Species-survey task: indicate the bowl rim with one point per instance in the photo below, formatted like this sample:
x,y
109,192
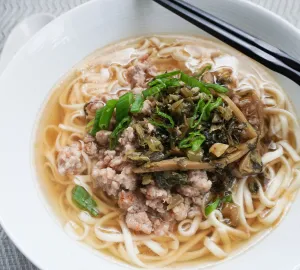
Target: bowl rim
x,y
72,12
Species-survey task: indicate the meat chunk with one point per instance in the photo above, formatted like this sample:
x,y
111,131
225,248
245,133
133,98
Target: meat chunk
x,y
156,198
198,184
139,222
197,200
181,211
153,192
131,202
90,146
136,75
127,139
160,227
188,191
157,205
147,107
127,136
102,137
110,158
91,149
70,160
199,180
104,178
127,178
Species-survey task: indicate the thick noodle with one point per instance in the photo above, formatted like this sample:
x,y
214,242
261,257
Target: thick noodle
x,y
103,75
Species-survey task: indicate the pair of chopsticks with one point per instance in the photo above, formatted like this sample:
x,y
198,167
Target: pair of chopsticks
x,y
251,46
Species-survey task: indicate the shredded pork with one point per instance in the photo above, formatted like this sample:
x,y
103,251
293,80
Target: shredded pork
x,y
70,160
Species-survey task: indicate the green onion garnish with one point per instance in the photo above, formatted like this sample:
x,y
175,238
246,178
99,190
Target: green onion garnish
x,y
84,200
162,121
203,70
193,82
194,141
137,105
123,106
106,115
218,88
153,90
96,128
212,206
168,74
113,139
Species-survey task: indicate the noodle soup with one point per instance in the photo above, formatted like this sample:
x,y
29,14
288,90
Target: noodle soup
x,y
168,150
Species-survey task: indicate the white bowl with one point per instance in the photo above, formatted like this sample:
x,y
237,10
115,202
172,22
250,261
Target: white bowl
x,y
24,87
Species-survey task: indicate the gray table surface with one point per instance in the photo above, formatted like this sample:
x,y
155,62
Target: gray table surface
x,y
13,11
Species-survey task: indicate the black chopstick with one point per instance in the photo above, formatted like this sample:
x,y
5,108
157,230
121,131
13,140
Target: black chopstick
x,y
234,39
285,58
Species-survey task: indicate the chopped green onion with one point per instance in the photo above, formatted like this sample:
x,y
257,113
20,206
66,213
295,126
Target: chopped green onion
x,y
205,112
106,115
165,82
113,139
194,141
84,200
203,70
156,81
218,88
212,207
197,143
137,105
193,82
168,74
123,106
153,90
96,128
198,109
161,123
209,107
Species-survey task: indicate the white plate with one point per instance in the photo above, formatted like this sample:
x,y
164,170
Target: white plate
x,y
27,80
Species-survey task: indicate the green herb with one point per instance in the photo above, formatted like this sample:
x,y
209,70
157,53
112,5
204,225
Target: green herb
x,y
205,111
163,118
167,180
106,115
198,109
96,128
153,90
203,70
113,139
218,88
137,105
168,74
123,106
196,144
212,206
193,82
84,200
165,83
194,141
